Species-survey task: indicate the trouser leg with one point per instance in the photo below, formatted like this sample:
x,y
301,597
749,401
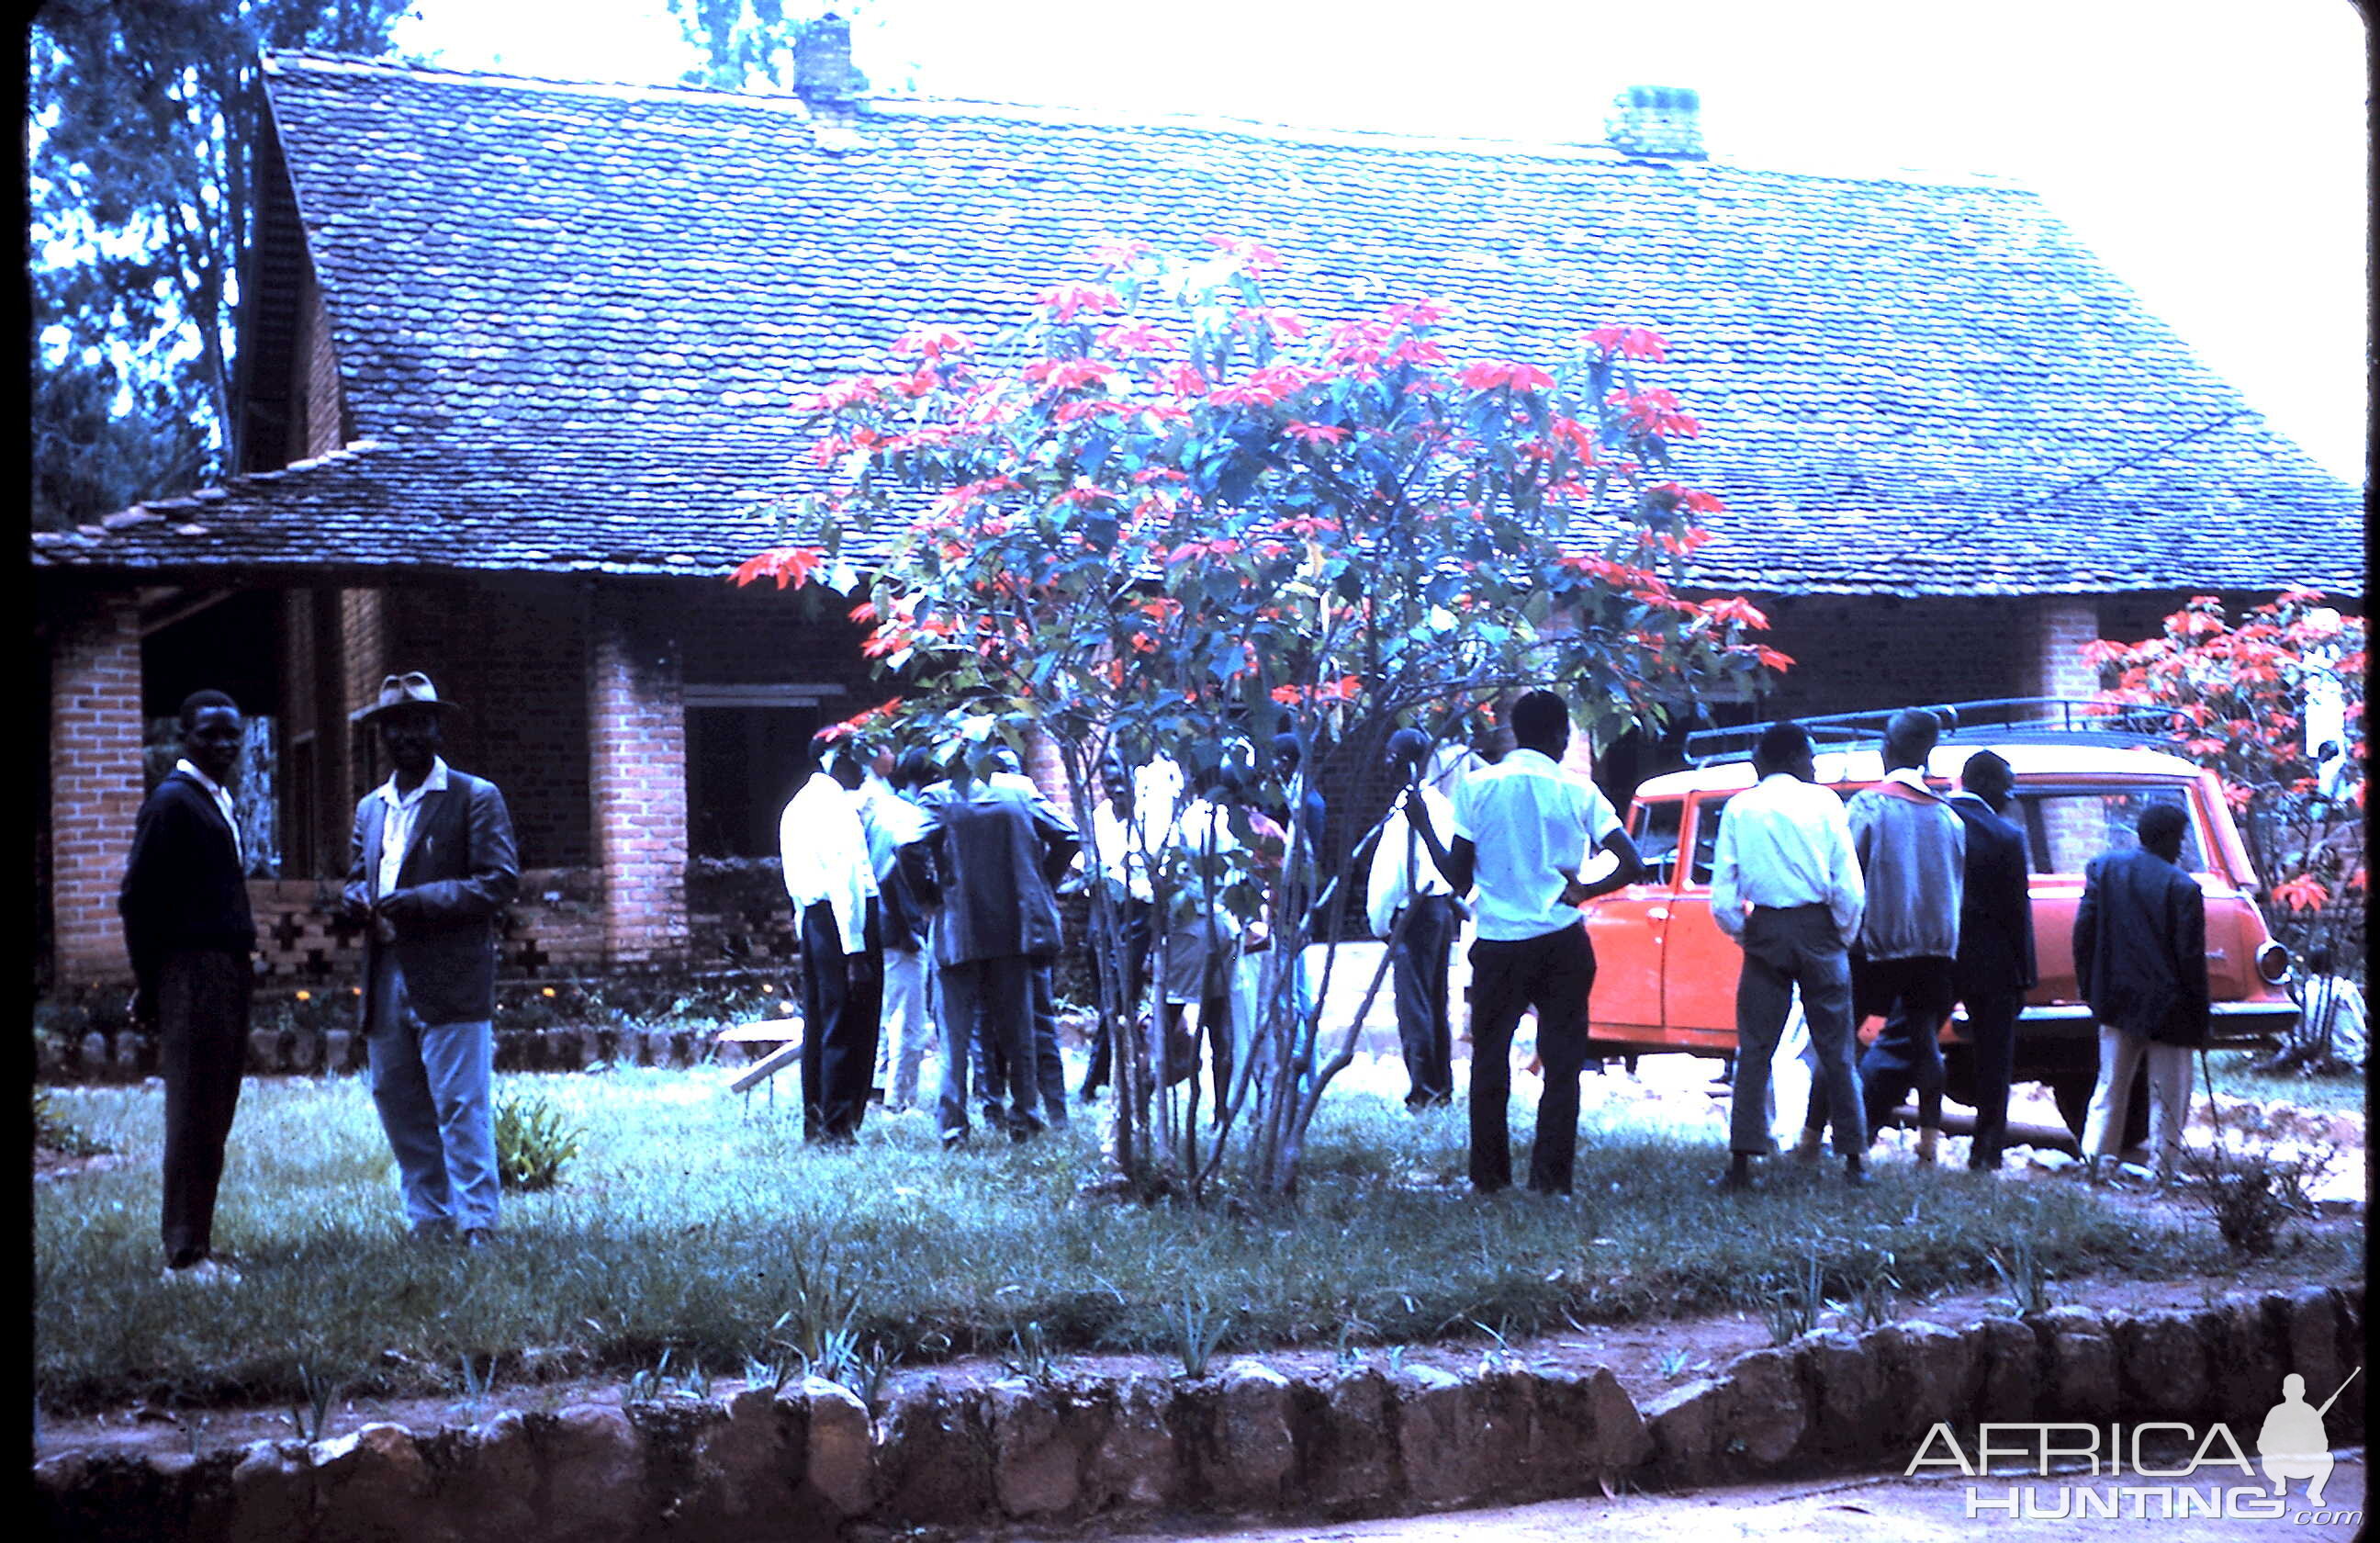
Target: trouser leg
x,y
842,1007
1822,974
1007,1014
456,1061
906,1025
1764,999
202,1017
1215,1024
1565,982
1991,1024
2120,1056
1499,994
958,1005
2169,1100
401,1093
1048,1064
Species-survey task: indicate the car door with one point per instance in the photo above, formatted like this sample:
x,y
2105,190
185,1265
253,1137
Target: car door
x,y
1630,927
1699,964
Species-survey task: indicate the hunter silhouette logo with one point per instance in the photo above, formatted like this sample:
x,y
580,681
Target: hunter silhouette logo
x,y
2293,1443
2218,1480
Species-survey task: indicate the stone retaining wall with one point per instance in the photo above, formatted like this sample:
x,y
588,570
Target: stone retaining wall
x,y
806,1461
127,1055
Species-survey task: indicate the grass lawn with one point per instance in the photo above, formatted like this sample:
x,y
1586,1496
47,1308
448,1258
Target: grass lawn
x,y
692,1222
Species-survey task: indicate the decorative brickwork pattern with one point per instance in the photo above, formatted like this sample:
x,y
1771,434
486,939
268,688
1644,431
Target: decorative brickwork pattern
x,y
94,785
637,778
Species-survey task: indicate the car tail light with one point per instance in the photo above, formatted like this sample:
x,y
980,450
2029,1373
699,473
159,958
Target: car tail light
x,y
2273,962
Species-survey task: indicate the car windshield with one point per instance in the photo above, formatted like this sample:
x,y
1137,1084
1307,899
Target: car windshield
x,y
2066,827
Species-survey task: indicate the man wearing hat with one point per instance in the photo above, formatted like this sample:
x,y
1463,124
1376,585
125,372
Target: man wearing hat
x,y
433,863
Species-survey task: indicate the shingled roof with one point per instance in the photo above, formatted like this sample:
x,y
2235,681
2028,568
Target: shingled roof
x,y
570,319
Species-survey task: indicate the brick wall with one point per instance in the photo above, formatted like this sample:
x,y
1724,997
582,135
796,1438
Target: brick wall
x,y
1856,652
94,785
636,721
2062,626
363,664
555,928
320,423
512,653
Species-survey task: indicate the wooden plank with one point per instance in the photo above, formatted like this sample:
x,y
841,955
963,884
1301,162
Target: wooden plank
x,y
767,1066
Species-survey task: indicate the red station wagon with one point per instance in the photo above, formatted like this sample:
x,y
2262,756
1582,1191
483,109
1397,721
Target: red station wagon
x,y
1665,976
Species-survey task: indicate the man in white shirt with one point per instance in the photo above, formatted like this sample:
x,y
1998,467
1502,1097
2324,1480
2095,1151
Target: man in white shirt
x,y
1406,882
831,880
1522,830
1116,860
1786,888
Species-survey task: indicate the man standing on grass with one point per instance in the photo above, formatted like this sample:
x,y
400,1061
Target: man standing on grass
x,y
831,883
1522,830
188,928
1994,961
2140,957
433,864
1912,855
987,868
1406,882
1786,888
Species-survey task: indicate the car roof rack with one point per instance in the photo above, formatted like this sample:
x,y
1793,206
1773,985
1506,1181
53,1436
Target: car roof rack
x,y
2064,720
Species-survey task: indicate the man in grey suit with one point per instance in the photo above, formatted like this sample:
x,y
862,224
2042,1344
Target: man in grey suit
x,y
433,863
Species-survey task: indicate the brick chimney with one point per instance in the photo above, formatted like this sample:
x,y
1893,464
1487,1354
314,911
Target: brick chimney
x,y
822,72
1659,121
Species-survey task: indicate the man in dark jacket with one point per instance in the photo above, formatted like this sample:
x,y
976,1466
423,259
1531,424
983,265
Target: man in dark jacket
x,y
989,866
2140,955
1995,965
188,928
433,864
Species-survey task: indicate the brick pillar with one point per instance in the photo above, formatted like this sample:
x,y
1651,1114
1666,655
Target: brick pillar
x,y
1047,769
95,786
636,722
2062,624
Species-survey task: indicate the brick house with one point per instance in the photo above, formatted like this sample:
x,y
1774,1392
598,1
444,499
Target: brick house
x,y
517,357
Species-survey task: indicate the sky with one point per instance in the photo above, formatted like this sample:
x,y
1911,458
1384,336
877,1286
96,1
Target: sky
x,y
2211,151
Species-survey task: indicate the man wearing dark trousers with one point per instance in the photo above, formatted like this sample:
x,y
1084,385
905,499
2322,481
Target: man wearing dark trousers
x,y
432,865
1522,830
188,928
1995,962
831,881
1786,888
1404,882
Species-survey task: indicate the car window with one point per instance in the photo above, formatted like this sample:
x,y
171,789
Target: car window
x,y
2064,828
1655,835
1707,836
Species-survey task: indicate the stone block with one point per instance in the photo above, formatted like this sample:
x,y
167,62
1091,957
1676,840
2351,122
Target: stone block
x,y
94,1053
374,1487
305,1053
1930,1375
594,1466
1768,1415
130,1054
842,1460
2161,1367
2313,1341
338,1051
1684,1424
938,1459
272,1494
747,1471
2247,1354
1254,1454
1138,1460
488,1487
1035,1470
263,1051
2009,1375
1437,1436
1846,1394
2080,1365
1587,1430
1347,1440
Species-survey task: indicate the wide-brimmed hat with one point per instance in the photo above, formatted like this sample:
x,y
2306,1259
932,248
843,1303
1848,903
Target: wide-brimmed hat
x,y
411,689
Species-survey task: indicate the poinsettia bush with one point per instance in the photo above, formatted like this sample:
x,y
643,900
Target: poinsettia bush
x,y
1163,518
2236,700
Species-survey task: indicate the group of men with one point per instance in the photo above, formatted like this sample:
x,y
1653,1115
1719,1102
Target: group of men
x,y
1903,902
432,862
919,898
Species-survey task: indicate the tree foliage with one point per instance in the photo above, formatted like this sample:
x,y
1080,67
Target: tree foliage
x,y
750,44
140,148
1164,515
2237,700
